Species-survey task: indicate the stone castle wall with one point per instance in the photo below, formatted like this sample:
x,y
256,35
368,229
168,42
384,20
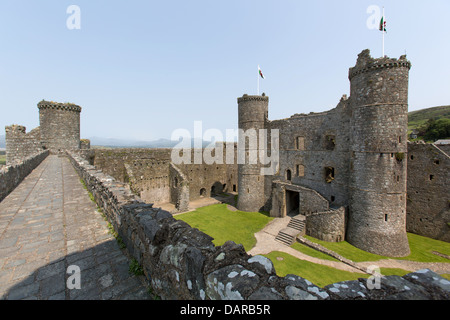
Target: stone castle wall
x,y
428,198
59,130
182,263
149,173
21,145
12,175
311,143
327,226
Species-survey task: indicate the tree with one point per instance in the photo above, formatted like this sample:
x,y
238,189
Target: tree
x,y
434,130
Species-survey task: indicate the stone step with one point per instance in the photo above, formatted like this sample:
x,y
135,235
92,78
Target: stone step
x,y
285,238
296,224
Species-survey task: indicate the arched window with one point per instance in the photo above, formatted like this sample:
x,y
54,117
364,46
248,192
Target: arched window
x,y
288,175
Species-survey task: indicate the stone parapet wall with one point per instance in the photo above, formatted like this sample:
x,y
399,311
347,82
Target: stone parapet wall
x,y
182,262
12,176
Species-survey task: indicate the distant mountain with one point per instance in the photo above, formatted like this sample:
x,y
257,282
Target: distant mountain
x,y
418,118
125,143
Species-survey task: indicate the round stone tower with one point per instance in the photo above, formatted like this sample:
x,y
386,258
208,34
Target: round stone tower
x,y
253,113
379,123
59,125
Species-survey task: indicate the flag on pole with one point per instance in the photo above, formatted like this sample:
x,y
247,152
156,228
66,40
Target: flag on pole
x,y
260,73
383,24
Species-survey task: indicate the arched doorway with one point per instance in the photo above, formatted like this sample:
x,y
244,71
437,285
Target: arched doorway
x,y
202,192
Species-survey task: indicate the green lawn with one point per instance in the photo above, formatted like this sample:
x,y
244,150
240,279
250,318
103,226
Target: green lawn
x,y
223,224
311,252
2,159
421,248
318,274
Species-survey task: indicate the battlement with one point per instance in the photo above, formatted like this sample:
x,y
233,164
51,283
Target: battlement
x,y
246,97
15,128
366,63
58,106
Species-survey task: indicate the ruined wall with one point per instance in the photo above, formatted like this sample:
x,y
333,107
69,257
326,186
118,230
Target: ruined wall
x,y
309,144
21,145
179,188
112,161
428,197
206,180
149,175
12,175
182,263
150,179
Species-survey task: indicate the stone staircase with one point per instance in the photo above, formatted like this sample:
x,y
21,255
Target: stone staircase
x,y
297,223
295,227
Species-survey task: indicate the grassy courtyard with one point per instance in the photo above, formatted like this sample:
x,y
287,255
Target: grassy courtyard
x,y
223,225
2,159
421,250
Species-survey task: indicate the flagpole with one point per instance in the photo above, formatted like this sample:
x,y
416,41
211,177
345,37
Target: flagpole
x,y
382,29
258,79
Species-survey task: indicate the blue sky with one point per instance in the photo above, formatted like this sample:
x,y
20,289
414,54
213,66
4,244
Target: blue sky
x,y
141,69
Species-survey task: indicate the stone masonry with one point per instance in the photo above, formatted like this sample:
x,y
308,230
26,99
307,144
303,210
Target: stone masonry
x,y
428,199
182,262
59,130
47,224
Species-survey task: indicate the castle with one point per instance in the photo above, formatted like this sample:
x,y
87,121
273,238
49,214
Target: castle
x,y
59,130
351,157
344,171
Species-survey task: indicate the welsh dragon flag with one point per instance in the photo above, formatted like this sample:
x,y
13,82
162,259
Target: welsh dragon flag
x,y
260,73
383,25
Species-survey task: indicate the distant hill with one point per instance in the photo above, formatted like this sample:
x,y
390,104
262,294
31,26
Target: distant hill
x,y
418,118
122,143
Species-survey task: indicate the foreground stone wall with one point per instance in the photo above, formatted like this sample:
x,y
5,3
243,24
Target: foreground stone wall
x,y
11,176
182,262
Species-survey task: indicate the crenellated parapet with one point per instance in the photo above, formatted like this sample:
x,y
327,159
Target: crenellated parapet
x,y
58,106
366,64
